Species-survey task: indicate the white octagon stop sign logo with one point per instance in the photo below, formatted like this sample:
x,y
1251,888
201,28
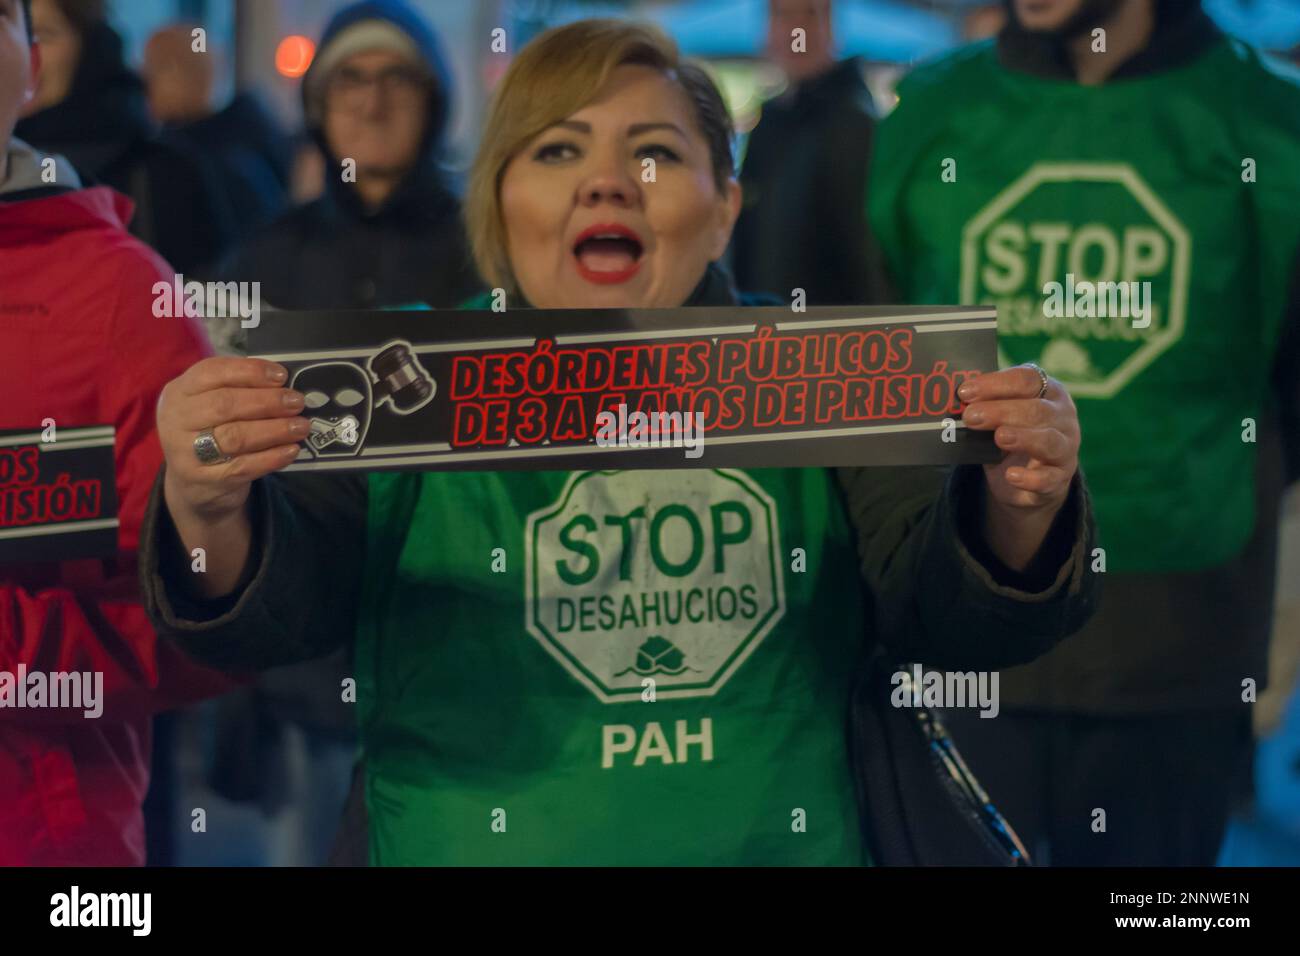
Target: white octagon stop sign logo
x,y
1089,223
670,575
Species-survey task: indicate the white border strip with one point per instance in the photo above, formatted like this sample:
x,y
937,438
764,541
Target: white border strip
x,y
61,445
958,327
418,350
393,449
987,315
665,334
69,527
81,435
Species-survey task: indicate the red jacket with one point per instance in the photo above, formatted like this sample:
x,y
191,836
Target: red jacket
x,y
79,344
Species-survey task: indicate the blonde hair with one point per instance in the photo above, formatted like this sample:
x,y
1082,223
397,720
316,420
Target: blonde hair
x,y
554,76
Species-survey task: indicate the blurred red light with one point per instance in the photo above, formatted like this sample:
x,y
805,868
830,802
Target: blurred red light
x,y
294,55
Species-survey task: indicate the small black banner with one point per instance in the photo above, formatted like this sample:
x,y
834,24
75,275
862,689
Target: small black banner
x,y
58,496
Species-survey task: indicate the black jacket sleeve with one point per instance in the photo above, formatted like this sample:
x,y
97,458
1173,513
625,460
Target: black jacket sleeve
x,y
1286,378
300,592
938,596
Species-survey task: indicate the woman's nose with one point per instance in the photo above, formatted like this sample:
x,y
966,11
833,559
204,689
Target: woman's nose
x,y
609,185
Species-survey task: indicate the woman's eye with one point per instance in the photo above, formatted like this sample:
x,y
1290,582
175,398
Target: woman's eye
x,y
349,397
555,152
657,152
315,399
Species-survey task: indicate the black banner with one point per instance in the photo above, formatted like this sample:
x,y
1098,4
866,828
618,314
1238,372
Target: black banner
x,y
58,494
671,388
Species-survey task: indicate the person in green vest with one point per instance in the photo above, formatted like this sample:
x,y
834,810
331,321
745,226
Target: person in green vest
x,y
1120,179
608,667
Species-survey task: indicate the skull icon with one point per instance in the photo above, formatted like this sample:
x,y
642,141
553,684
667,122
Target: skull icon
x,y
339,400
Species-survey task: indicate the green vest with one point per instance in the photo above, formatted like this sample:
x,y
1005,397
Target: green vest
x,y
612,667
989,185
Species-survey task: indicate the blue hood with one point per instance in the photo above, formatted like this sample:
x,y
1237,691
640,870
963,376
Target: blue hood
x,y
410,22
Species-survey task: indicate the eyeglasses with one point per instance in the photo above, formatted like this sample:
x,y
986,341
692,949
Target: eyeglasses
x,y
347,88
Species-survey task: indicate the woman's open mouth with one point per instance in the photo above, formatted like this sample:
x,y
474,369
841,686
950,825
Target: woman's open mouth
x,y
608,254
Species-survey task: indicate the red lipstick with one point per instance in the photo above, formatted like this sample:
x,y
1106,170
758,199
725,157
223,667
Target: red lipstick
x,y
608,253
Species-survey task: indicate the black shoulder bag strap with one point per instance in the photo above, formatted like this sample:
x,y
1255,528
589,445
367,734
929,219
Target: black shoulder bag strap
x,y
920,804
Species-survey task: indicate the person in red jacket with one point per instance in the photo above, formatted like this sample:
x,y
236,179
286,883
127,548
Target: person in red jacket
x,y
79,344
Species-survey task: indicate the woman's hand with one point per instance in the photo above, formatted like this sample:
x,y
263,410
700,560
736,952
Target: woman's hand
x,y
1041,439
256,424
252,416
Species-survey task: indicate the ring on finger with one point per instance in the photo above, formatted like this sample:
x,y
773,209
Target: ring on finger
x,y
207,451
1042,377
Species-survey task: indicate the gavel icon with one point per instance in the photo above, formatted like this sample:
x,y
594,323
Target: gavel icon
x,y
401,380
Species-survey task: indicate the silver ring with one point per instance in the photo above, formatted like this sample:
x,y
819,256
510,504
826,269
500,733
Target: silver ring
x,y
207,451
1042,377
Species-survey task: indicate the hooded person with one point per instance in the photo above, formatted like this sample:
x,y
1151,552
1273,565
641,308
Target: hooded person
x,y
387,230
90,108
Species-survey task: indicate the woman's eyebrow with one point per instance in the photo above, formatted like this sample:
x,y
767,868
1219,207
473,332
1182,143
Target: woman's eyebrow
x,y
576,125
633,130
636,129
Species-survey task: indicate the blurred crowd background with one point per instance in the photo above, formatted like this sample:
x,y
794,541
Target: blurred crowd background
x,y
212,149
729,35
259,40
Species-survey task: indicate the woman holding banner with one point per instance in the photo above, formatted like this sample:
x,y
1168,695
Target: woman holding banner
x,y
613,667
